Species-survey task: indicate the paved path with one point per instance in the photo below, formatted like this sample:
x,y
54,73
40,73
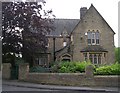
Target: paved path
x,y
56,87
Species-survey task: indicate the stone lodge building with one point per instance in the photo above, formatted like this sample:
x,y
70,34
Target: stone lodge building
x,y
88,38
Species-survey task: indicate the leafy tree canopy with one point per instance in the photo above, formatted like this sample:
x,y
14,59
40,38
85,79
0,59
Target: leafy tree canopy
x,y
24,27
117,54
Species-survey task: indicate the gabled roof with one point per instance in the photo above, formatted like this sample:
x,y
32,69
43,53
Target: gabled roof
x,y
98,14
102,17
61,24
71,24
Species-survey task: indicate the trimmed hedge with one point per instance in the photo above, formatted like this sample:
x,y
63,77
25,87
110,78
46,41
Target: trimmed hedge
x,y
79,67
70,67
113,69
39,69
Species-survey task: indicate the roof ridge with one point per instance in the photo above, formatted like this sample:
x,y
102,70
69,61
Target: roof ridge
x,y
98,14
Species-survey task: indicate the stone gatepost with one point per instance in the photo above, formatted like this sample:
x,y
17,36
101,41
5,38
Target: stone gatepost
x,y
89,71
6,70
23,71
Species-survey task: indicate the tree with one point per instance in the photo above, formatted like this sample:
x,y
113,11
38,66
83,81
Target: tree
x,y
24,28
117,54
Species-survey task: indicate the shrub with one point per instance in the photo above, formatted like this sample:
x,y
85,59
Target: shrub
x,y
80,66
39,69
108,70
117,54
70,67
66,67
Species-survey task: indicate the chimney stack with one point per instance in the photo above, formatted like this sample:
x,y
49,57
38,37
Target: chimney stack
x,y
83,10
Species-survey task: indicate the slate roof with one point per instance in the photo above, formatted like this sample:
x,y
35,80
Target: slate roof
x,y
70,24
60,24
94,48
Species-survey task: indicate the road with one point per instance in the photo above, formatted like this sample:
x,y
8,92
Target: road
x,y
15,89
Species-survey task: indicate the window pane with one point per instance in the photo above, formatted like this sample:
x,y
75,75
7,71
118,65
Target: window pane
x,y
37,61
93,35
89,41
90,57
85,56
40,61
97,35
89,35
93,40
95,59
99,59
97,41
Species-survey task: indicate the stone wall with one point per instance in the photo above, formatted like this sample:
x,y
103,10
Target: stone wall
x,y
106,81
73,79
93,21
59,78
23,71
6,70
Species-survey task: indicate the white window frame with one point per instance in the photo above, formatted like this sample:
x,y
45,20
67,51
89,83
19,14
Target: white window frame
x,y
92,57
93,36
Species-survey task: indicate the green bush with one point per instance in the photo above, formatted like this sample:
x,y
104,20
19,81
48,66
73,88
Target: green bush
x,y
70,67
108,70
117,54
39,69
80,66
67,67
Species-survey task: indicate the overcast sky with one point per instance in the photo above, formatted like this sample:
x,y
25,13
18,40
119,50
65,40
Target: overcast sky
x,y
70,9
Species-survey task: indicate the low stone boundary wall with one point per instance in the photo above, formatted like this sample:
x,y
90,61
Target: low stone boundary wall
x,y
23,71
59,78
74,79
6,70
110,80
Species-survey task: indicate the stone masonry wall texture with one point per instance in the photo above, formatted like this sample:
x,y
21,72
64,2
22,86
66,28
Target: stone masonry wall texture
x,y
74,79
93,21
6,70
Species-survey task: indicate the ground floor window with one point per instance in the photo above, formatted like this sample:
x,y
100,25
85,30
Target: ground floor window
x,y
42,60
95,58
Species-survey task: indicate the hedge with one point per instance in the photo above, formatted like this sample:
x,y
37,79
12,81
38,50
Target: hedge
x,y
70,67
79,67
113,69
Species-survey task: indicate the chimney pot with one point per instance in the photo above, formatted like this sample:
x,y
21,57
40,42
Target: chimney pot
x,y
83,10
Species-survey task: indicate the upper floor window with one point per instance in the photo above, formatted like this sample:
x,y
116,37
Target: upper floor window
x,y
93,38
97,37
